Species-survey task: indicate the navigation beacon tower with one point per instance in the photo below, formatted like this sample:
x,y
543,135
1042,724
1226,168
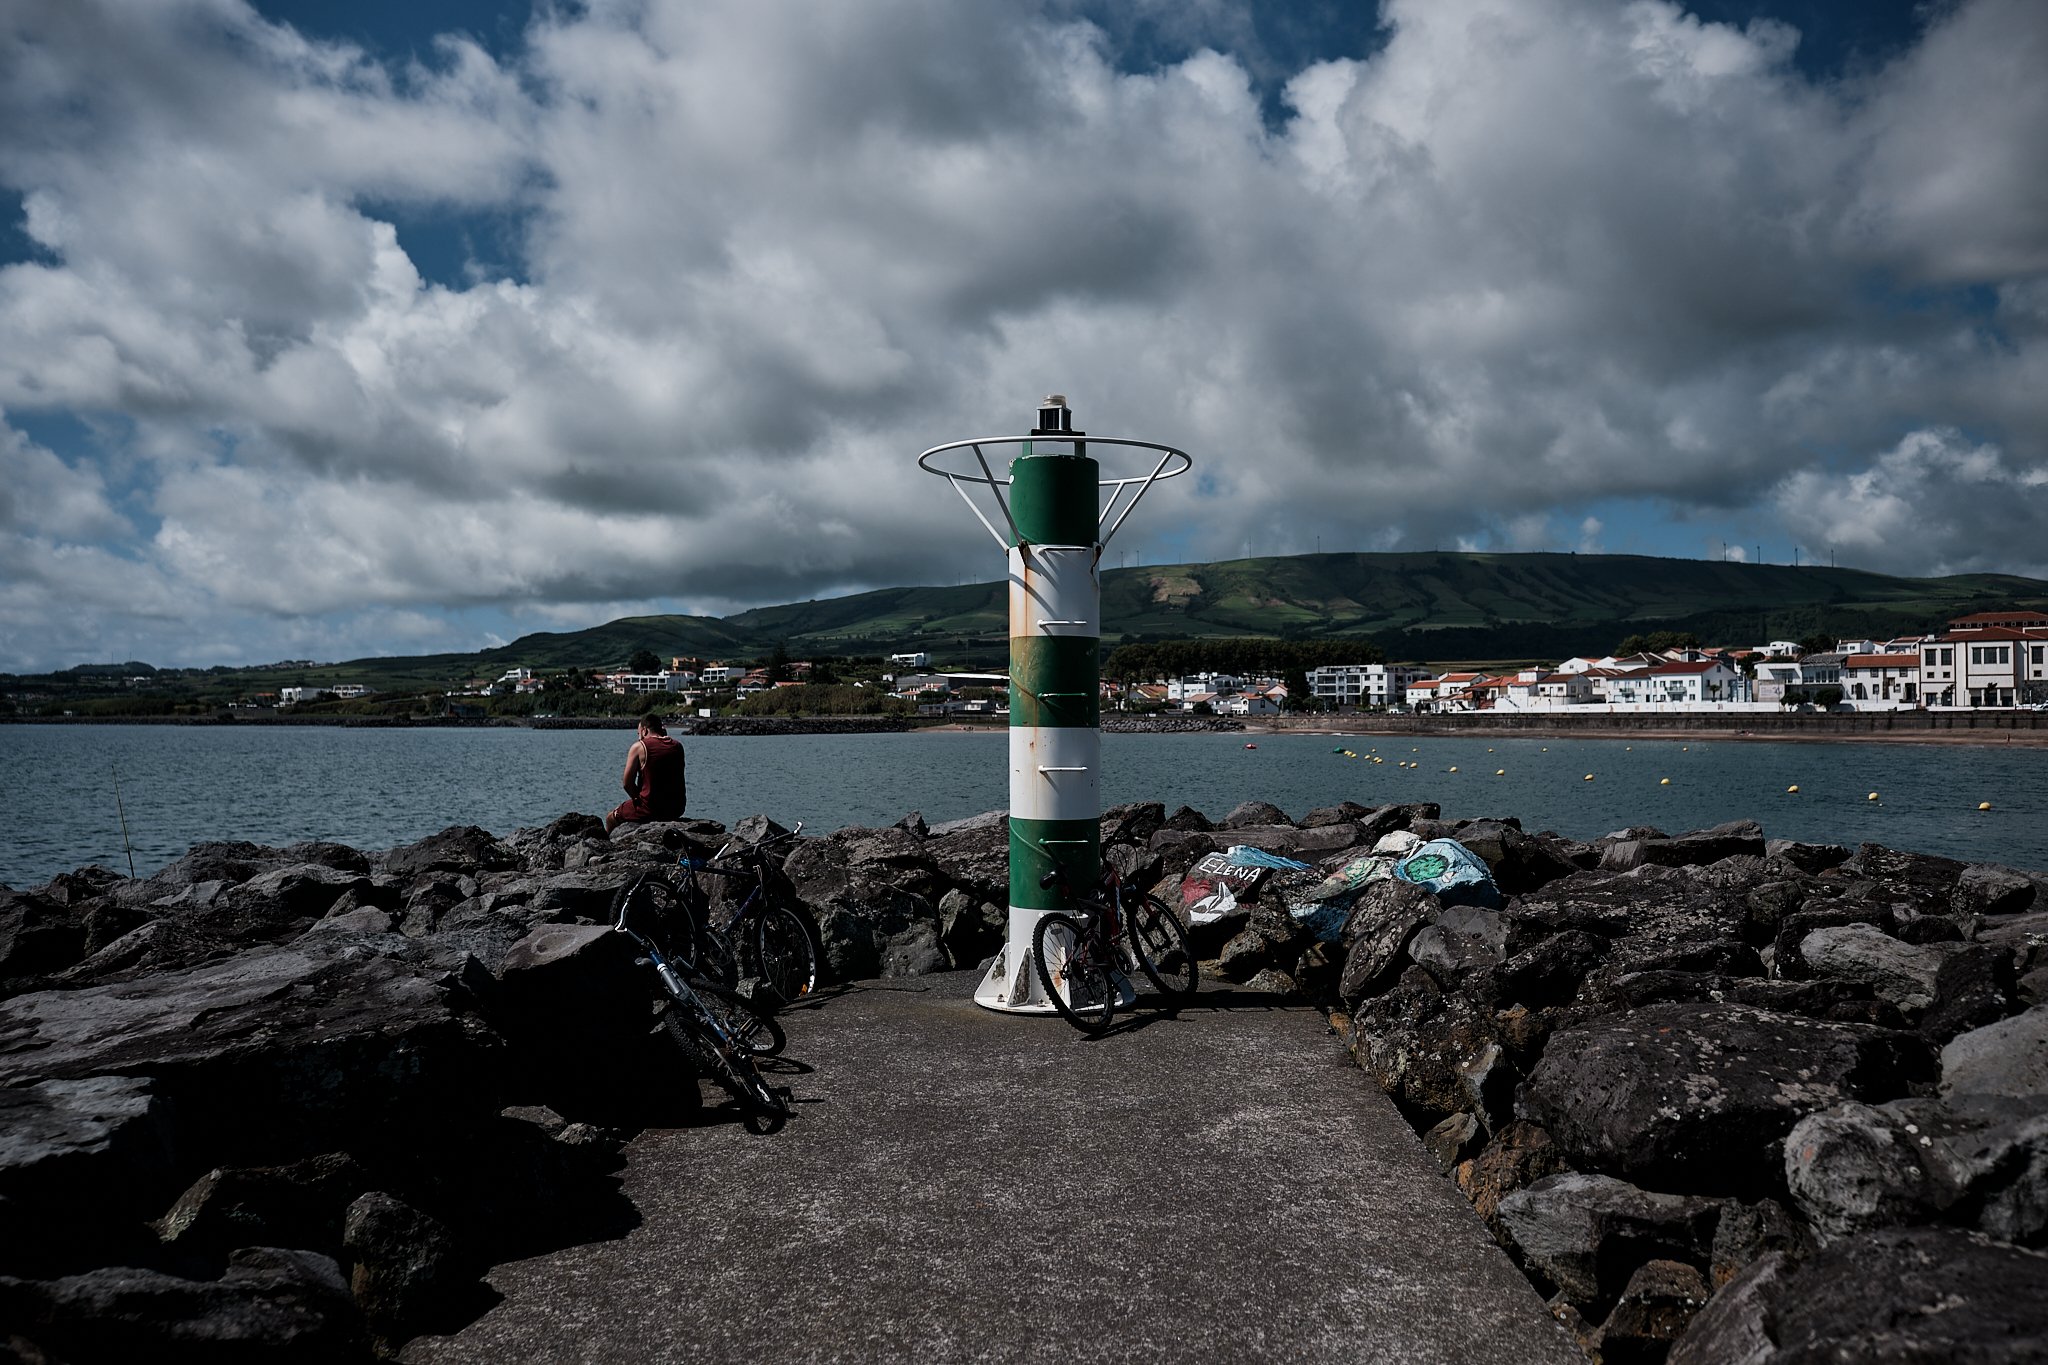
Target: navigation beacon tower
x,y
1059,512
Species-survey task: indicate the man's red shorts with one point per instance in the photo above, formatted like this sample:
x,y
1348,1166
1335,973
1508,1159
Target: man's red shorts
x,y
634,810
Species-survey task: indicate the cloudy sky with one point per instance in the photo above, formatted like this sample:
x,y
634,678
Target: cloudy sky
x,y
328,330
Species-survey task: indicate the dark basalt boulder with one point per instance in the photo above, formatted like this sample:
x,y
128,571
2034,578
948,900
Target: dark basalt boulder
x,y
37,938
1519,862
300,1204
1249,813
2008,1059
1810,858
1988,889
1414,1039
1547,974
1386,819
327,1042
271,1305
1919,881
1655,1308
1133,822
1376,933
1178,850
407,1270
1519,1155
1857,1166
1902,973
1975,986
1343,813
1687,850
1588,1234
1749,1232
76,1158
1906,1296
1702,1095
975,859
1980,1161
457,849
1458,941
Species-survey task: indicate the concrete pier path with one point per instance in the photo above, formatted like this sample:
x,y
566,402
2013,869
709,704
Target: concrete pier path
x,y
1218,1184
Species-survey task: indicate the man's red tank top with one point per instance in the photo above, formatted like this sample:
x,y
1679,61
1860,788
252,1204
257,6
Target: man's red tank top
x,y
661,777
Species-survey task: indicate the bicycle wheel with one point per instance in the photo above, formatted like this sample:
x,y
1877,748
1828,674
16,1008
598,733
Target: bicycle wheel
x,y
652,905
783,953
716,961
754,1031
1160,945
732,1069
1072,973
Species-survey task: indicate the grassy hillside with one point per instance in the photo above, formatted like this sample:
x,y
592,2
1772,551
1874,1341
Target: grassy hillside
x,y
1427,605
1432,606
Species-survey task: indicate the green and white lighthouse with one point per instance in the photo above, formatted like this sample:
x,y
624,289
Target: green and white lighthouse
x,y
1057,523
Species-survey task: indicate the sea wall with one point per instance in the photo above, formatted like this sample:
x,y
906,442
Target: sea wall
x,y
1720,1096
1987,724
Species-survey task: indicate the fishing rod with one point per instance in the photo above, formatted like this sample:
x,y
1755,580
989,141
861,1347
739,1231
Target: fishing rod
x,y
122,812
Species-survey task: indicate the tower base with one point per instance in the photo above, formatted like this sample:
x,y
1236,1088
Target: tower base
x,y
1010,985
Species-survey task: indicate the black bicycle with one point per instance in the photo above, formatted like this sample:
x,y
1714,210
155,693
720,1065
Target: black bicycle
x,y
762,938
712,1027
1079,957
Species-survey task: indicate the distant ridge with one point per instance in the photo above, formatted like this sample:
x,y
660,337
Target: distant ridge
x,y
1436,605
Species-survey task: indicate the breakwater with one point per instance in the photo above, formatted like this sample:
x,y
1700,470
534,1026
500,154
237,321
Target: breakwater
x,y
1705,1088
1990,726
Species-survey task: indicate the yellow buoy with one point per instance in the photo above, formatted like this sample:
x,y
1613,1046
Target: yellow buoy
x,y
1589,777
1454,767
1793,788
1685,748
1500,772
1983,805
1665,783
1871,797
1628,748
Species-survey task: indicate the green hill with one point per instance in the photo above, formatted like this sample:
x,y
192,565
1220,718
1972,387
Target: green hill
x,y
1428,605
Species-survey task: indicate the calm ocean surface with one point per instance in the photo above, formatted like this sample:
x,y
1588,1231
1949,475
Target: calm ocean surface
x,y
376,788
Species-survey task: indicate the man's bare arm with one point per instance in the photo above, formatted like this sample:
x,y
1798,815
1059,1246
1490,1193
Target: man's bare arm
x,y
635,758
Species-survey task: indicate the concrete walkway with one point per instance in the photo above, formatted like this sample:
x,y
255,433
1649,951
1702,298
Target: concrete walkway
x,y
1217,1185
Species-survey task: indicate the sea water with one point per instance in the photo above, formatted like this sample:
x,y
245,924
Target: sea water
x,y
375,788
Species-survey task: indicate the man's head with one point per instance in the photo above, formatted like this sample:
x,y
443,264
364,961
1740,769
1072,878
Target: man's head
x,y
650,724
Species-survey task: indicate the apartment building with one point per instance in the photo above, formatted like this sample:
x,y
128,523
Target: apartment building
x,y
1363,684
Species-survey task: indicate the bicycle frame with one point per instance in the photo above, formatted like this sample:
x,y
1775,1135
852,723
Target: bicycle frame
x,y
755,898
673,983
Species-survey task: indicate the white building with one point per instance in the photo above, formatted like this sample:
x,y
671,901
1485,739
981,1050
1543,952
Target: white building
x,y
919,660
1184,689
1363,684
663,681
1876,680
1246,704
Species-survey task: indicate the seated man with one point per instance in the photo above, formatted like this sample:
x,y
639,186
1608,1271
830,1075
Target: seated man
x,y
654,777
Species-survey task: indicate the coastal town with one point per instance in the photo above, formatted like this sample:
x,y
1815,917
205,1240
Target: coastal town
x,y
1995,659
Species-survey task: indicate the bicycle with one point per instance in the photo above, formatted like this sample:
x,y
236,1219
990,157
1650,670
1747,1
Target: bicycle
x,y
710,1026
1079,960
762,936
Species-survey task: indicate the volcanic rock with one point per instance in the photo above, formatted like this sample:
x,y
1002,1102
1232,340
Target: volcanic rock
x,y
1691,1094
